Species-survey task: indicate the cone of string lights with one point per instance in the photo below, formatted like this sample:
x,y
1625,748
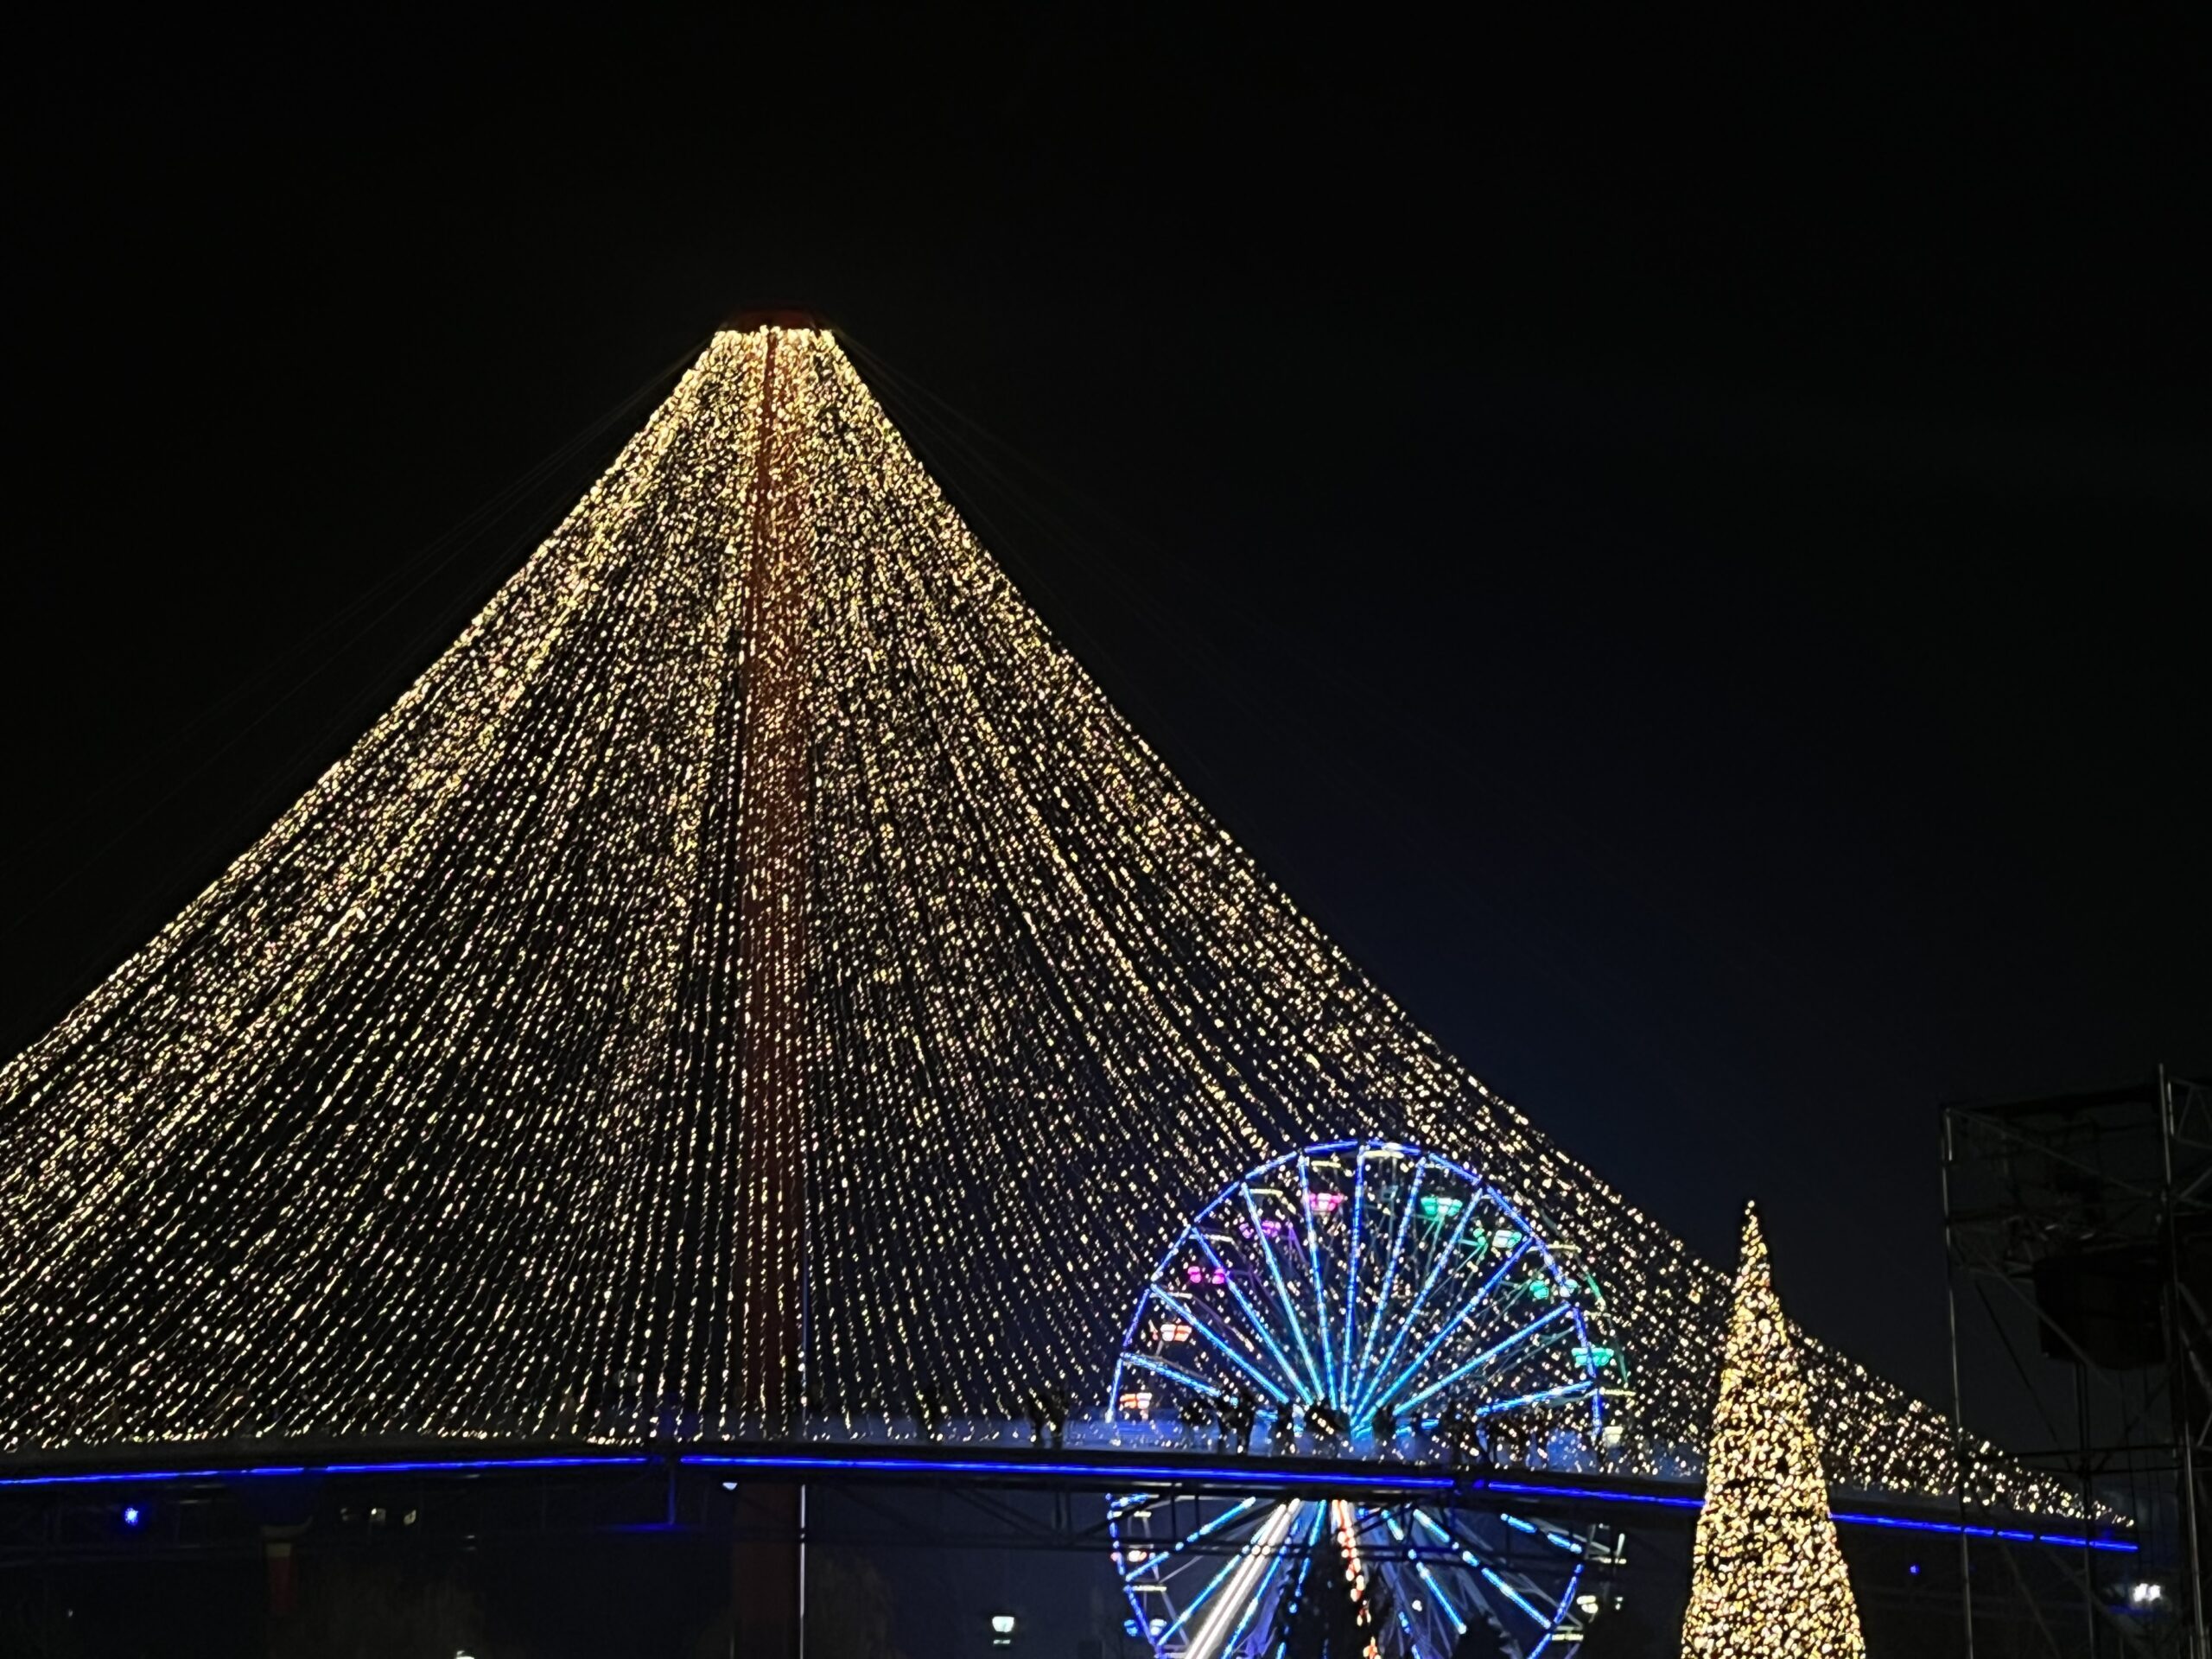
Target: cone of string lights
x,y
753,984
1768,1579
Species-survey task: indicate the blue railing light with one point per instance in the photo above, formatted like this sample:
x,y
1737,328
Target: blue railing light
x,y
1399,1480
2009,1535
1133,1471
297,1471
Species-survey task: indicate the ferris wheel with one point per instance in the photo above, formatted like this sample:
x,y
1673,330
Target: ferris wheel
x,y
1363,1299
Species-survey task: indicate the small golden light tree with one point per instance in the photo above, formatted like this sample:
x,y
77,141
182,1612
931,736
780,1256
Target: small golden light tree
x,y
1767,1575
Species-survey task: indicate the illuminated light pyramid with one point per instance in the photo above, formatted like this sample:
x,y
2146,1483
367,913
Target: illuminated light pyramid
x,y
1767,1574
753,980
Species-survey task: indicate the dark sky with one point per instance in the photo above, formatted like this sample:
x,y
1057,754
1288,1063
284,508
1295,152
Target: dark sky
x,y
1679,540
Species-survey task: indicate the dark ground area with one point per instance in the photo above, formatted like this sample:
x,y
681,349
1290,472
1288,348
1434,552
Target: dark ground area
x,y
396,1587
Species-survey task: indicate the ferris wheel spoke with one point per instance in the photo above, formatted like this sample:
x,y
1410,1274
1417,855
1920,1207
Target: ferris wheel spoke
x,y
1174,1373
1234,1564
1525,1595
1458,1625
1282,1291
1189,1315
1543,1621
1480,1299
1550,1534
1391,1273
1482,1361
1453,1538
1256,1597
1443,1258
1253,1317
1543,1396
1351,1260
1313,1267
1559,1619
1242,1573
1398,1535
1299,1553
1151,1563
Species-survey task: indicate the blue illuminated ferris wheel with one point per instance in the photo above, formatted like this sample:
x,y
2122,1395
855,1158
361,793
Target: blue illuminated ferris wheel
x,y
1360,1299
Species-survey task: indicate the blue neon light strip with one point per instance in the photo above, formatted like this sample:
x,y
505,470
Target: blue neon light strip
x,y
2009,1535
1848,1518
1133,1471
427,1467
801,1462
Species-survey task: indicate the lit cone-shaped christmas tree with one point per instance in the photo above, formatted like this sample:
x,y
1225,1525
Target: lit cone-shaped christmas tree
x,y
1767,1575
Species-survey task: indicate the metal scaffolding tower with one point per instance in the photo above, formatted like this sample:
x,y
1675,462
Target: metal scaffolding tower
x,y
2078,1233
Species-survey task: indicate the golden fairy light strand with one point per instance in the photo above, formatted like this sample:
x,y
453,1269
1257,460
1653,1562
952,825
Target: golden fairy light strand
x,y
754,931
1768,1579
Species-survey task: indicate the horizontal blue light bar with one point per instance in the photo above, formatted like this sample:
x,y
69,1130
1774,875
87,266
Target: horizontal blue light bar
x,y
1599,1495
2071,1541
1427,1482
1116,1471
618,1460
885,1464
426,1466
137,1477
1845,1517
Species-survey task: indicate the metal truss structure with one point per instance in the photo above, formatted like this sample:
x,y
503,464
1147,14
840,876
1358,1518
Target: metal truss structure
x,y
2078,1229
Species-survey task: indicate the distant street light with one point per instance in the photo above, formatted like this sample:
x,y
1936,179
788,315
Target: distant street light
x,y
1001,1630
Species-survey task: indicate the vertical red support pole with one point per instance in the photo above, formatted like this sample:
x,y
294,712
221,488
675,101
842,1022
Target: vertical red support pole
x,y
767,1560
280,1569
284,1593
768,1571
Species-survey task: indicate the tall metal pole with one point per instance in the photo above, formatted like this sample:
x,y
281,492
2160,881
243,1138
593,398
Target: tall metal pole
x,y
1958,1396
2179,1392
2081,1370
768,1569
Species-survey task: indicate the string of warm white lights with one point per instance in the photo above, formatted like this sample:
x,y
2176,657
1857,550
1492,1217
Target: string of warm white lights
x,y
754,941
1768,1579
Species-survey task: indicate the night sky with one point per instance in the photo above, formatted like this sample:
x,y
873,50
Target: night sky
x,y
1680,541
